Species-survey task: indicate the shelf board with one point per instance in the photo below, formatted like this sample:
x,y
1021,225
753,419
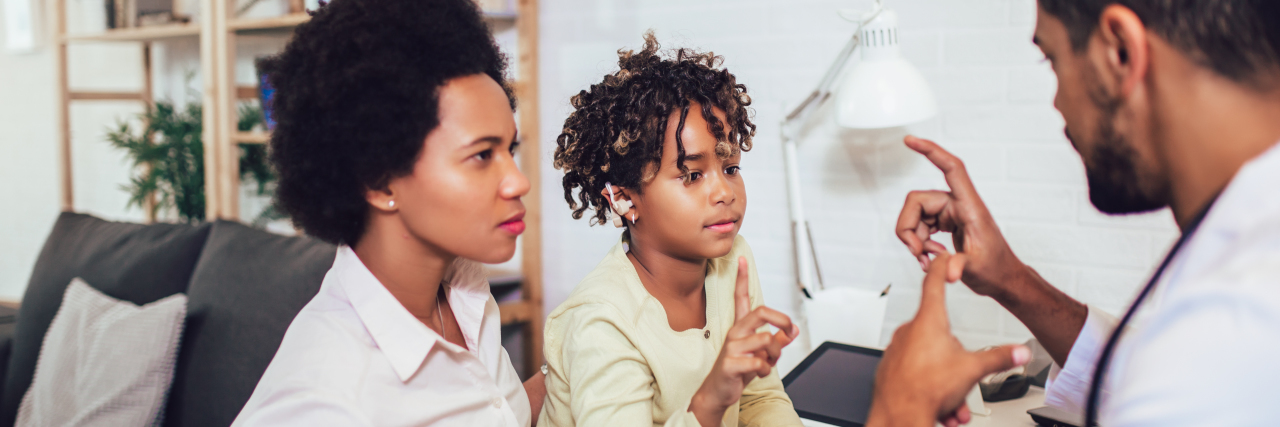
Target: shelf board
x,y
251,137
285,22
503,278
500,16
516,312
104,96
289,21
172,31
137,34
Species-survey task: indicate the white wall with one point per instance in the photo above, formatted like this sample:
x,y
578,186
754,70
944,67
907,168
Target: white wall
x,y
30,193
996,112
28,177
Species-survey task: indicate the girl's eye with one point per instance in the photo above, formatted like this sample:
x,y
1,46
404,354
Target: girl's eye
x,y
514,146
693,176
484,155
732,170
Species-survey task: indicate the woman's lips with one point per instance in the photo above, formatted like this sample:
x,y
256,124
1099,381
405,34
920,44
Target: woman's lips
x,y
723,227
514,227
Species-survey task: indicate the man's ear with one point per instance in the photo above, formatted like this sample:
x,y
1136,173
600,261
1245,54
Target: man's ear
x,y
1127,48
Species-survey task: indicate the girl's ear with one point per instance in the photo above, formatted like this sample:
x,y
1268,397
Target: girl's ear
x,y
619,204
619,198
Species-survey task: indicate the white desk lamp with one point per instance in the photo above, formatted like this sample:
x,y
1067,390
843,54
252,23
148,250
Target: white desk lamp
x,y
881,91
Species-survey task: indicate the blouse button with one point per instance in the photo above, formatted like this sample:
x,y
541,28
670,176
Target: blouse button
x,y
706,334
497,402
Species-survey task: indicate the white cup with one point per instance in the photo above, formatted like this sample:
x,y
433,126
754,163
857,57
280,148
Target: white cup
x,y
845,315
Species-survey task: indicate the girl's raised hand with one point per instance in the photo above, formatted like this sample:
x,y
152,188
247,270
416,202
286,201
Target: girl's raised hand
x,y
747,354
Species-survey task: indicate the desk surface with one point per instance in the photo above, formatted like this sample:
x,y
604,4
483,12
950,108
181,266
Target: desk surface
x,y
1010,413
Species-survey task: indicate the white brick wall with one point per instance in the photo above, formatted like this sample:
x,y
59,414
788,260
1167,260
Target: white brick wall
x,y
996,112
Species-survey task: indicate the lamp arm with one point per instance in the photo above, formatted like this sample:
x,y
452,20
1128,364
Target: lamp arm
x,y
802,248
823,91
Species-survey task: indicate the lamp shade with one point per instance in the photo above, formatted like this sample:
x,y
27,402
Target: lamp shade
x,y
883,89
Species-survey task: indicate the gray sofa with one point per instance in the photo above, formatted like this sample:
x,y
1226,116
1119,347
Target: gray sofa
x,y
244,287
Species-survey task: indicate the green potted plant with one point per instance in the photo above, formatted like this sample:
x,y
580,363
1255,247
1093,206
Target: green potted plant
x,y
168,153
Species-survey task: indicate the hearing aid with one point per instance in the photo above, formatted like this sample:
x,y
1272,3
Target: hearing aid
x,y
619,208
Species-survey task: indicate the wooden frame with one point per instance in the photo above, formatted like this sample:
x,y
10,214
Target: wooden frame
x,y
217,32
530,164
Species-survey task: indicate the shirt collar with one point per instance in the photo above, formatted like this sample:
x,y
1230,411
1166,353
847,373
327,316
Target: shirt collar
x,y
1249,198
400,336
1249,201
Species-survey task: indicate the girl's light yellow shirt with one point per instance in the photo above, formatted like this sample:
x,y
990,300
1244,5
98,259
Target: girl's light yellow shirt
x,y
613,359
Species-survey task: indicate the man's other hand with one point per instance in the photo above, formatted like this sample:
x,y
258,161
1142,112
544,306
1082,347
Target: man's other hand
x,y
925,373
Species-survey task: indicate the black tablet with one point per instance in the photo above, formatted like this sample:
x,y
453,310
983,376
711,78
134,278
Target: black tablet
x,y
834,384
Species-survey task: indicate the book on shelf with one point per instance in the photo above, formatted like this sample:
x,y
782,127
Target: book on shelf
x,y
140,13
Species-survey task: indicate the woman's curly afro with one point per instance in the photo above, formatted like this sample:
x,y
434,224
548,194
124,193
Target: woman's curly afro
x,y
615,133
356,95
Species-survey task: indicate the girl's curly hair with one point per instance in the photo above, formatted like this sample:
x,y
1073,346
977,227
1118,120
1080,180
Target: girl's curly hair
x,y
616,130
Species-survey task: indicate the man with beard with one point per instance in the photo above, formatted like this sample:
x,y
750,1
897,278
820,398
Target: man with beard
x,y
1169,103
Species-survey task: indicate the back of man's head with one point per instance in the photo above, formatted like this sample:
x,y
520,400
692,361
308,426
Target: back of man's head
x,y
1239,39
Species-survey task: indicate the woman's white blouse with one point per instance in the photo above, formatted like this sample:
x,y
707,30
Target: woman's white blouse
x,y
354,356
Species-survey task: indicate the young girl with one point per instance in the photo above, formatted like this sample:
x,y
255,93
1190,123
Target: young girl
x,y
662,332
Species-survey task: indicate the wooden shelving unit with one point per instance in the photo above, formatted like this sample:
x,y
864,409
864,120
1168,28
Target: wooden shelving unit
x,y
217,31
140,34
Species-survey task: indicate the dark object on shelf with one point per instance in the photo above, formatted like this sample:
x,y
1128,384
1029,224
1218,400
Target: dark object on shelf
x,y
265,94
152,12
155,19
111,14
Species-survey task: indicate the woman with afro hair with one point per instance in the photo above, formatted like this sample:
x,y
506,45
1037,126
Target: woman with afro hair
x,y
395,141
668,330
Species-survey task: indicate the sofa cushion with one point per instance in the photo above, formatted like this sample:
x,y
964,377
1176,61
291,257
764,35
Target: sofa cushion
x,y
131,262
247,288
104,362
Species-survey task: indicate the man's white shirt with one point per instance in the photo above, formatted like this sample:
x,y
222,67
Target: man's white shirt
x,y
1207,350
354,356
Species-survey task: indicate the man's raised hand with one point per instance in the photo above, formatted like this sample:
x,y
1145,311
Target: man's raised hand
x,y
962,213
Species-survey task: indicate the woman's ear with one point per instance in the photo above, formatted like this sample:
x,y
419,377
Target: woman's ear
x,y
383,200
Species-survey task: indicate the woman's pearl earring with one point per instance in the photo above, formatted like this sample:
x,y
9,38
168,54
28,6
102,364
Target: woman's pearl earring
x,y
391,204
